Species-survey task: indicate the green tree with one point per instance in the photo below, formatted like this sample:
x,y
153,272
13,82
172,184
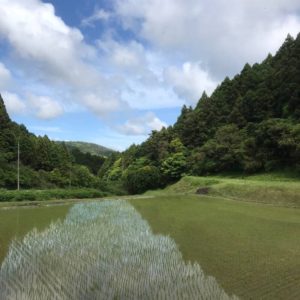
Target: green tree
x,y
82,177
174,166
139,180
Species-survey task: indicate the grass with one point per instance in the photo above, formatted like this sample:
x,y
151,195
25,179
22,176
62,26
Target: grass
x,y
252,250
267,189
42,195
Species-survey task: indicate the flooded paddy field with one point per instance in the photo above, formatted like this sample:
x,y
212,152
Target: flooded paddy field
x,y
183,247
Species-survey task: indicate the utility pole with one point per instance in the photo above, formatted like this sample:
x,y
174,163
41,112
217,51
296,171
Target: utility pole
x,y
18,167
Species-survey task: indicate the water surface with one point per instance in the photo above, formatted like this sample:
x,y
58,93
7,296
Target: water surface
x,y
17,221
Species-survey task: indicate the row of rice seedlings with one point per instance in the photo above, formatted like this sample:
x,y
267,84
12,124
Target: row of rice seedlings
x,y
102,250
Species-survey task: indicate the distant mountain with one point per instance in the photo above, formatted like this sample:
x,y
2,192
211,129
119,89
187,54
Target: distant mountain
x,y
91,148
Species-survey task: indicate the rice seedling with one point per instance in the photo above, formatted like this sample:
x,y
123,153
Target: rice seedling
x,y
102,250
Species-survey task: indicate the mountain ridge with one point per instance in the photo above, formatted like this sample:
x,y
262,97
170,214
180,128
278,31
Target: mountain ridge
x,y
88,147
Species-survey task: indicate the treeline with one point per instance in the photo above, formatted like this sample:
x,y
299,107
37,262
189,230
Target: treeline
x,y
250,123
43,163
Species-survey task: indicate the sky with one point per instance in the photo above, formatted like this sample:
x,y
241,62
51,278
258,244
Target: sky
x,y
111,71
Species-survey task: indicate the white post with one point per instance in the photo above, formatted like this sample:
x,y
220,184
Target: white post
x,y
18,168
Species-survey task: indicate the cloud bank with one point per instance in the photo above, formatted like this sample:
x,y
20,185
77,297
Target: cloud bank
x,y
172,51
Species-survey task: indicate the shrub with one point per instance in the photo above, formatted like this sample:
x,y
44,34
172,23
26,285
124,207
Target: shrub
x,y
137,181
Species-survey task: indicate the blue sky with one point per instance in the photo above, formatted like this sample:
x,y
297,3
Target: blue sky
x,y
112,71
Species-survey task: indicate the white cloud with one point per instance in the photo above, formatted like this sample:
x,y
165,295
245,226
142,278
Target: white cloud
x,y
45,107
224,35
5,76
142,125
141,96
38,35
101,105
142,83
153,122
155,66
56,54
98,15
13,103
190,81
130,56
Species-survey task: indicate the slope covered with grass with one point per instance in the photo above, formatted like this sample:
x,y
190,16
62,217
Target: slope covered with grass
x,y
274,189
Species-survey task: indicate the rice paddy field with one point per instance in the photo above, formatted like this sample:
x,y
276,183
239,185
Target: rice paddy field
x,y
241,239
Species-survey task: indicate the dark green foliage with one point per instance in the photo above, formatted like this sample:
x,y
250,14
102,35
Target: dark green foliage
x,y
82,177
139,180
278,141
4,118
224,152
250,123
93,162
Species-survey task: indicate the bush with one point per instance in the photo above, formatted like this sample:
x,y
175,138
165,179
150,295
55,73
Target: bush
x,y
137,181
82,177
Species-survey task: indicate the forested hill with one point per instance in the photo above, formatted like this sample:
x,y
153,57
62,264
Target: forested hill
x,y
43,163
250,123
91,148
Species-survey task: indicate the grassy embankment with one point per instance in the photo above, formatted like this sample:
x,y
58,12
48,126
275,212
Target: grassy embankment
x,y
274,189
244,232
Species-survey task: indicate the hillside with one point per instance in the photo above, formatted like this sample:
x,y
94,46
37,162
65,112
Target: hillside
x,y
250,124
43,163
91,148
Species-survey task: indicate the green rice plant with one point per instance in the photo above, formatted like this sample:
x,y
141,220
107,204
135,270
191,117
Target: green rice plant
x,y
102,250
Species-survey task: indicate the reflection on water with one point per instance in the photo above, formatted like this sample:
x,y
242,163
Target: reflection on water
x,y
101,250
16,222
